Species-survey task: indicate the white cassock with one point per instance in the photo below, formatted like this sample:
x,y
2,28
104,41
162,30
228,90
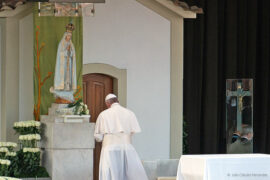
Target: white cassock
x,y
118,159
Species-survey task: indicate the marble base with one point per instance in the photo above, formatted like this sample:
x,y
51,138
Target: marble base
x,y
69,164
66,118
55,109
60,135
161,168
67,148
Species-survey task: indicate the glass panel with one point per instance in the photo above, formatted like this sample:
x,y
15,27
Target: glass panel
x,y
239,115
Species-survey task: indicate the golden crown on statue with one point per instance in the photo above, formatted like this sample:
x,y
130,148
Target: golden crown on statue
x,y
70,27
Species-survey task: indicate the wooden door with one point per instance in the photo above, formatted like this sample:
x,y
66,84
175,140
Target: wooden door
x,y
95,89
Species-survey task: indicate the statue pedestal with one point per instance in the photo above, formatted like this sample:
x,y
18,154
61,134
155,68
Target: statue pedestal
x,y
67,144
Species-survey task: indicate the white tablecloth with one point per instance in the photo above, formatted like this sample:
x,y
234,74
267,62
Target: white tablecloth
x,y
224,167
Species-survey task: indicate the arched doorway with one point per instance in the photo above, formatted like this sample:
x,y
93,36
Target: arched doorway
x,y
95,88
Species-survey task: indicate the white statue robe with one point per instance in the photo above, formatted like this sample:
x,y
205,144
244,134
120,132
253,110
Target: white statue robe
x,y
65,80
118,160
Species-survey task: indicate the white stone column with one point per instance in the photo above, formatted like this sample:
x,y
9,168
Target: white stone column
x,y
10,77
10,50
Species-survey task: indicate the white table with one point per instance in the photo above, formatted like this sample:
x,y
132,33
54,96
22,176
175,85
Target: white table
x,y
224,167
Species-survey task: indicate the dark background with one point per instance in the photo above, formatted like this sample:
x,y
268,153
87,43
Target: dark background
x,y
230,40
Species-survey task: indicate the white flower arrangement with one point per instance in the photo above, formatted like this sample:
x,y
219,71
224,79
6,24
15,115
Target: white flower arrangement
x,y
79,108
32,150
29,137
8,144
4,162
30,123
85,108
11,154
8,178
3,150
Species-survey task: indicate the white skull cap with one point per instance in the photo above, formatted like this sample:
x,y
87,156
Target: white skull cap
x,y
110,96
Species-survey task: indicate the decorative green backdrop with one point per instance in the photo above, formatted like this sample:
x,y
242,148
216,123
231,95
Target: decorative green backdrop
x,y
48,32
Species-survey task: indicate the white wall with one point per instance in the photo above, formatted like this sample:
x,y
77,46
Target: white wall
x,y
125,34
26,63
0,80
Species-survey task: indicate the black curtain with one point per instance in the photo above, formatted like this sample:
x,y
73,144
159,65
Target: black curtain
x,y
230,40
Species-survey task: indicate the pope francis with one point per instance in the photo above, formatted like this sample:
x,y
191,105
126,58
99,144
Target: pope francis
x,y
114,127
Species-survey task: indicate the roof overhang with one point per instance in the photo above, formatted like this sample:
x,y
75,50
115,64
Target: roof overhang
x,y
168,4
177,9
18,11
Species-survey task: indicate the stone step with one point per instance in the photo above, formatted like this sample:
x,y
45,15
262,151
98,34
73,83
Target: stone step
x,y
166,178
161,168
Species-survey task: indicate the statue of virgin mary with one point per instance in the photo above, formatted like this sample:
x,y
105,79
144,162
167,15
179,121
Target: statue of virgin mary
x,y
65,80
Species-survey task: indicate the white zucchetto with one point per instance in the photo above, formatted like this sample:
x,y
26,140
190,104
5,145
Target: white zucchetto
x,y
110,96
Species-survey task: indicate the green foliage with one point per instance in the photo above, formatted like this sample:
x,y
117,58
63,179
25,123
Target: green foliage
x,y
27,130
79,107
17,166
10,149
185,137
26,165
28,143
2,155
76,103
41,172
13,165
3,170
31,161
